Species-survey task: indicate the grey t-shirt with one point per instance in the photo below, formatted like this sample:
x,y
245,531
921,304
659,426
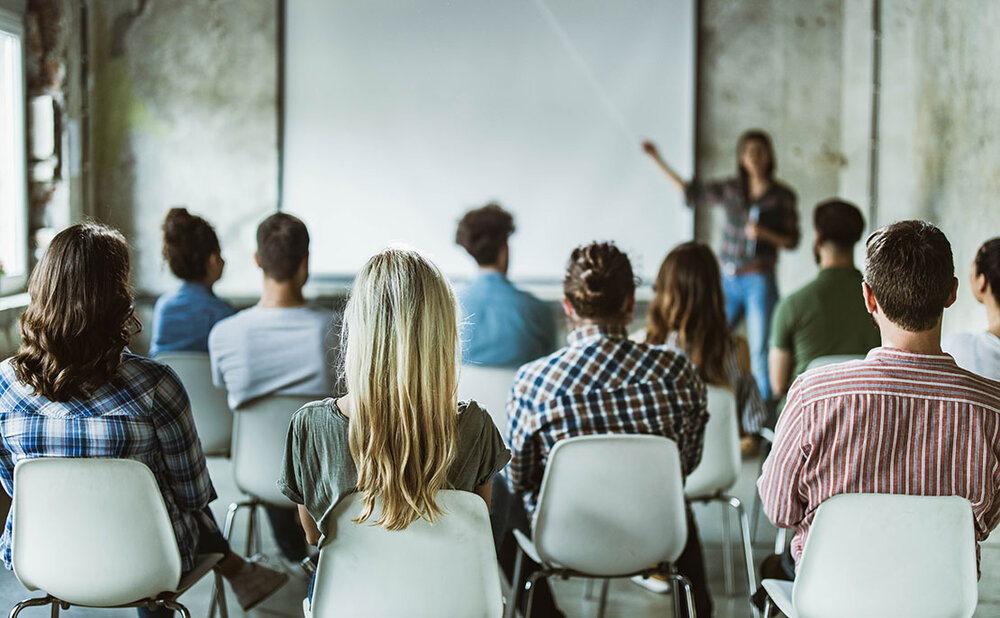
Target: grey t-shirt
x,y
318,470
275,351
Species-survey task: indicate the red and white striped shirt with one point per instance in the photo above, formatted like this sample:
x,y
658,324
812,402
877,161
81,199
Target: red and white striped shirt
x,y
897,422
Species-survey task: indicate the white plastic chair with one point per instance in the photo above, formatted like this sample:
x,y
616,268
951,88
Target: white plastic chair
x,y
884,555
489,387
832,359
259,431
635,520
212,416
96,533
717,473
448,568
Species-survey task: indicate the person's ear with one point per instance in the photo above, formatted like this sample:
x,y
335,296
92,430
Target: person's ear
x,y
954,293
256,260
630,305
567,307
870,303
980,283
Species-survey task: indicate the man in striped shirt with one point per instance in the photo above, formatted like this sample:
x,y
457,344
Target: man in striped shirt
x,y
906,419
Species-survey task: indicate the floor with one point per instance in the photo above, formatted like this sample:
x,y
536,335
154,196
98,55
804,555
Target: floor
x,y
625,599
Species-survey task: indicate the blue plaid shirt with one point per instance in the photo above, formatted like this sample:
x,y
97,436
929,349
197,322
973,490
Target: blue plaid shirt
x,y
601,383
142,413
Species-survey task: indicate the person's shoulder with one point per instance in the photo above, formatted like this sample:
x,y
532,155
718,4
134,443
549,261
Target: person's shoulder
x,y
141,371
959,341
660,358
472,415
784,190
317,415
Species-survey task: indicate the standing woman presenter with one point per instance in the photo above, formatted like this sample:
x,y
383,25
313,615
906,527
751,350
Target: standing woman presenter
x,y
761,217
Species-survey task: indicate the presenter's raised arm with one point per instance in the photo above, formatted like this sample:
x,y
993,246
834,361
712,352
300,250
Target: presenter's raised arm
x,y
650,148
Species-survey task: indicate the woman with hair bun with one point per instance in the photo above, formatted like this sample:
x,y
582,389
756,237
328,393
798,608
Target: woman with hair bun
x,y
601,383
980,352
183,319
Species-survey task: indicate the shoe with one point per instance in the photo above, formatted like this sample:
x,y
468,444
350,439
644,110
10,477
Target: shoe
x,y
255,582
653,583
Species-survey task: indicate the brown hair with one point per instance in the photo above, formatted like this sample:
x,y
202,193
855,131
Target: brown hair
x,y
838,222
282,244
188,242
688,300
81,315
988,263
483,231
598,281
909,268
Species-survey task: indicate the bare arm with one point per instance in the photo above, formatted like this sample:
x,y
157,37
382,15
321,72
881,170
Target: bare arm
x,y
309,526
486,493
779,370
650,149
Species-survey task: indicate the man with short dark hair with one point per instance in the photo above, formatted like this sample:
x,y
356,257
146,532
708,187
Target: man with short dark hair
x,y
827,316
279,346
907,419
505,326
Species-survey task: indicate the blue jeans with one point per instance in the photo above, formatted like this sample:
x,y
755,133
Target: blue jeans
x,y
753,296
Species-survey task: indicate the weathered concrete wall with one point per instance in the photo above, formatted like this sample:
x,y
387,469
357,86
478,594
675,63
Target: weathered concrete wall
x,y
184,113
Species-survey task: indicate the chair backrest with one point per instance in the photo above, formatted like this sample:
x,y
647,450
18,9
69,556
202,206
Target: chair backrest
x,y
211,412
721,462
448,568
823,361
489,387
889,555
260,428
92,531
611,504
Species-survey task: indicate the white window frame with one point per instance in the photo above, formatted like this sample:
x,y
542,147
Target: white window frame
x,y
12,23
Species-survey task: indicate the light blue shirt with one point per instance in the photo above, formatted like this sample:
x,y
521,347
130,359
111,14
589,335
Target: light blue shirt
x,y
183,319
504,326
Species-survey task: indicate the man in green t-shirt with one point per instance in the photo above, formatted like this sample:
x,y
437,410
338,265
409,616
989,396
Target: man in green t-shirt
x,y
827,316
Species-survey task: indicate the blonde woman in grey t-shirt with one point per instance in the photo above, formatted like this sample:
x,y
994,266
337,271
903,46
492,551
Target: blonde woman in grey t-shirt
x,y
400,413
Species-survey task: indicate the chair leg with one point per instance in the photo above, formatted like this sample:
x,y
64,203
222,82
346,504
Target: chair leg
x,y
530,586
688,595
177,607
14,611
227,531
767,607
55,609
218,598
727,550
515,588
588,589
251,525
604,598
779,541
741,514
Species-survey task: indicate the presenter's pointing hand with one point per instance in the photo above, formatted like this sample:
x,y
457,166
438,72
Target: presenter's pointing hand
x,y
650,149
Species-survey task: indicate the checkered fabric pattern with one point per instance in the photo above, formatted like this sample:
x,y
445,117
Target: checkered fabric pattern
x,y
601,383
143,413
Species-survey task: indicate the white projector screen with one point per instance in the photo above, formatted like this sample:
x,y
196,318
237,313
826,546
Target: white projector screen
x,y
400,115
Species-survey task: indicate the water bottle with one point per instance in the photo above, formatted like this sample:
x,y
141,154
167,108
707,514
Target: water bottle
x,y
754,217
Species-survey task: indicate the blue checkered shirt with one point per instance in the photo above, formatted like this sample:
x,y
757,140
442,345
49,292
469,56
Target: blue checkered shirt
x,y
142,413
601,383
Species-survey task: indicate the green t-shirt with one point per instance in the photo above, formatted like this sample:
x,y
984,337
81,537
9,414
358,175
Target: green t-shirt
x,y
318,470
825,317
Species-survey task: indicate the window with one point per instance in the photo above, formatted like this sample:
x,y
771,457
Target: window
x,y
13,179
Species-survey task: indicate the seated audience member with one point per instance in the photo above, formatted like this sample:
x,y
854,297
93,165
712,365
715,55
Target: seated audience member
x,y
826,316
183,319
980,352
398,435
74,390
906,419
504,326
600,383
280,346
688,315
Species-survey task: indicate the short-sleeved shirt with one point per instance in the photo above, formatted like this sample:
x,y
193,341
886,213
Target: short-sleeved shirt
x,y
183,319
503,326
318,470
975,352
825,317
142,413
776,211
275,351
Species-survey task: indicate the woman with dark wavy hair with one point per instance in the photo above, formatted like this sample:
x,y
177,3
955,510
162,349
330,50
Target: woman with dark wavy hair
x,y
182,319
74,390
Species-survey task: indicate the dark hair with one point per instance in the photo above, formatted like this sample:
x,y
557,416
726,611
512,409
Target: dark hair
x,y
988,263
483,231
909,268
838,222
282,244
188,242
754,135
81,315
688,300
598,280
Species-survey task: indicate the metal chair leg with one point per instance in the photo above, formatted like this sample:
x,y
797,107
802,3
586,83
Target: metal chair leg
x,y
604,598
727,550
530,586
515,587
219,598
177,607
55,609
588,589
747,547
230,516
688,596
767,607
14,611
251,524
779,541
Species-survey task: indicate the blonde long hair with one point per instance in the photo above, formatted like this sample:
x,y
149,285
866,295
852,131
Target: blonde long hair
x,y
400,364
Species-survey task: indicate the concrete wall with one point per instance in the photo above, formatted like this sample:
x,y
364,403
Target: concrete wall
x,y
185,113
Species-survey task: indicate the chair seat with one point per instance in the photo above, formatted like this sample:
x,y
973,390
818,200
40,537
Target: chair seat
x,y
780,591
